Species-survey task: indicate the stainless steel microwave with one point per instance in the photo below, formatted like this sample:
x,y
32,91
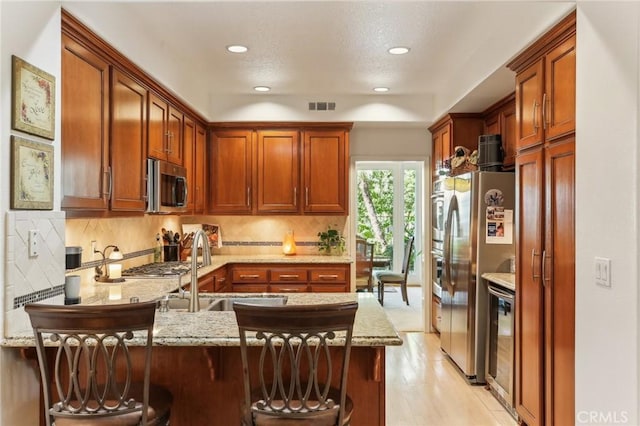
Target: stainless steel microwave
x,y
167,187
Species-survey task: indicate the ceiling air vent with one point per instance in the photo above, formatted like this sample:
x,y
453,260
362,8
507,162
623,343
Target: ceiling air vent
x,y
322,106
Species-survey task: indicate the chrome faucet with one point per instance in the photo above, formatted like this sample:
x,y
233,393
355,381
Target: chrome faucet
x,y
194,301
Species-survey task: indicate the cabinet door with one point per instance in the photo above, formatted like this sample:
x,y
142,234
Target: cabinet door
x,y
128,144
200,158
278,171
85,128
175,136
529,92
189,148
325,172
230,172
220,283
559,278
508,133
436,157
206,283
560,91
529,297
446,149
158,118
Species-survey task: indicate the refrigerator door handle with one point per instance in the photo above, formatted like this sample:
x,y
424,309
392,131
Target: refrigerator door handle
x,y
448,233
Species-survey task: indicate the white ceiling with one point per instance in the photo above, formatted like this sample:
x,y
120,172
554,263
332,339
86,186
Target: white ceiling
x,y
326,51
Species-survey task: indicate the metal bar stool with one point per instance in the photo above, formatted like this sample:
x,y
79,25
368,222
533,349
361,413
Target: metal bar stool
x,y
290,381
89,378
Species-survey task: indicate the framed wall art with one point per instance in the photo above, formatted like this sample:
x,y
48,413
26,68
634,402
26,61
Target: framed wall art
x,y
31,175
32,99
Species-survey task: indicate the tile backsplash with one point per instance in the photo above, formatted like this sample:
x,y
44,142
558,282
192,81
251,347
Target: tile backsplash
x,y
31,278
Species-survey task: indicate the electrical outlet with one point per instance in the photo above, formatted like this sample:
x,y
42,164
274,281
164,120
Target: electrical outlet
x,y
603,271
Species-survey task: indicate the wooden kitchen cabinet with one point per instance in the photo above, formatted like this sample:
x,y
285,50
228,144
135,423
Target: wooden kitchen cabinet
x,y
450,131
500,119
165,131
287,278
189,153
221,283
230,172
194,150
545,249
128,144
436,313
278,171
325,175
85,128
545,90
199,170
279,168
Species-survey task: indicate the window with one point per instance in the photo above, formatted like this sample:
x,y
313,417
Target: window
x,y
389,204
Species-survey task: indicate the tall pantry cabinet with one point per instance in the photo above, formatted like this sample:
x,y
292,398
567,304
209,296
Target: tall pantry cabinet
x,y
545,242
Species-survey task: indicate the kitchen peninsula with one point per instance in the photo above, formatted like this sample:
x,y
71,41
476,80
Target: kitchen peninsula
x,y
197,355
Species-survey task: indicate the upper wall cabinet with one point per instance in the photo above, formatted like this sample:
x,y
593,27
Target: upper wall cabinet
x,y
114,116
325,177
545,93
165,131
451,131
103,165
86,173
266,169
500,119
230,172
128,147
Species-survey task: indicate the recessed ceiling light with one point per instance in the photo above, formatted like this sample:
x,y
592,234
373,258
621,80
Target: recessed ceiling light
x,y
237,48
399,50
380,89
262,88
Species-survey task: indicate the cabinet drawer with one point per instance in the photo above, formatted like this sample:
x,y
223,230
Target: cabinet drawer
x,y
288,275
250,288
288,288
436,312
328,288
328,275
220,279
250,275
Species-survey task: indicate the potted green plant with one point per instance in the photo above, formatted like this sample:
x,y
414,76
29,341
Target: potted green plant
x,y
331,242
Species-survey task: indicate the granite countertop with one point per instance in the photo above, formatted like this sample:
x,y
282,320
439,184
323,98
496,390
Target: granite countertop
x,y
504,279
214,328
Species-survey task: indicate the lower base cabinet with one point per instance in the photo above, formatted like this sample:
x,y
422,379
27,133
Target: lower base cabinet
x,y
283,278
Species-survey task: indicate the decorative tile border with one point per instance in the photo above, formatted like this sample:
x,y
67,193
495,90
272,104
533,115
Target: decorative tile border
x,y
265,243
38,296
98,262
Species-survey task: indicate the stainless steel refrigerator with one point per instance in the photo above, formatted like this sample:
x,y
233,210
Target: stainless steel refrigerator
x,y
479,237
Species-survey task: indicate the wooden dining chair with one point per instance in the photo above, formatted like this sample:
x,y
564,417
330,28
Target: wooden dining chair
x,y
390,277
364,265
88,376
291,379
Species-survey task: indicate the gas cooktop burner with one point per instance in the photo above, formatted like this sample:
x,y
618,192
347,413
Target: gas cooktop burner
x,y
163,269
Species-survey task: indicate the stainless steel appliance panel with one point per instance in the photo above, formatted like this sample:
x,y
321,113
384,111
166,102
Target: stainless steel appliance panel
x,y
466,257
500,344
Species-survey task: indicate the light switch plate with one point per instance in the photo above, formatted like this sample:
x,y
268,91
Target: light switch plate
x,y
603,271
33,243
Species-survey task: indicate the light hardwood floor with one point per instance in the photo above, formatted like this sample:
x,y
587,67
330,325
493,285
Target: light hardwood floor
x,y
425,389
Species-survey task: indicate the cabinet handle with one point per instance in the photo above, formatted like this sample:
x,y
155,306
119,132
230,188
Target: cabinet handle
x,y
110,183
166,141
544,112
249,276
170,140
332,277
289,277
248,196
533,254
146,187
544,273
288,290
295,196
535,107
306,196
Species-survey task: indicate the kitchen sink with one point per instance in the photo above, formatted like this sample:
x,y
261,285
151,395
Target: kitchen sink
x,y
223,303
226,303
178,303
